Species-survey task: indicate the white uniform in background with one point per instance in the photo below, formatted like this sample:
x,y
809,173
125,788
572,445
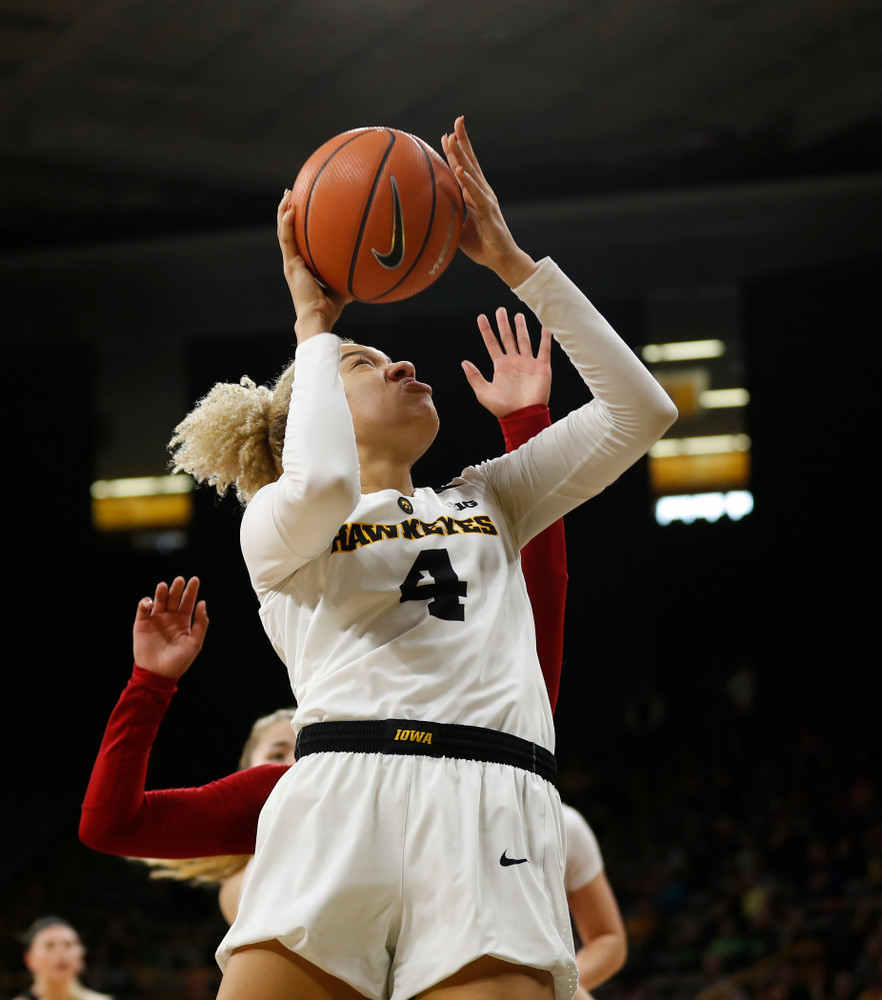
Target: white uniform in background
x,y
393,872
584,860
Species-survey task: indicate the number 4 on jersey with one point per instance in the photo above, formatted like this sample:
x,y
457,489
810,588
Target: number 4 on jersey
x,y
445,590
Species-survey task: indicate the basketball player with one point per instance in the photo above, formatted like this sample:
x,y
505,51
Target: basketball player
x,y
415,849
113,809
603,941
519,399
119,817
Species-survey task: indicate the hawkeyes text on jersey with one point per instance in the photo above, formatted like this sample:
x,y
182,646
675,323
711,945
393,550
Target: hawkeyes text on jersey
x,y
354,535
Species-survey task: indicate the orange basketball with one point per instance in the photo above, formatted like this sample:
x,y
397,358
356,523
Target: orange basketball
x,y
377,214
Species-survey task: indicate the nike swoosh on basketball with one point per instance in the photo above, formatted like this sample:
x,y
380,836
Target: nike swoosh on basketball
x,y
505,861
395,255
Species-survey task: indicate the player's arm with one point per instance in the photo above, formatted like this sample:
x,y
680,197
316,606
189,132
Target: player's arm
x,y
118,816
543,562
599,923
581,454
291,521
517,393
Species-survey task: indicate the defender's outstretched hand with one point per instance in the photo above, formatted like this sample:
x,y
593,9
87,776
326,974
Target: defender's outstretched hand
x,y
170,628
485,236
519,378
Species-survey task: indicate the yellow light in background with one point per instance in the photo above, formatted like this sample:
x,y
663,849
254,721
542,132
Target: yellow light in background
x,y
721,399
685,386
712,444
152,503
686,350
719,462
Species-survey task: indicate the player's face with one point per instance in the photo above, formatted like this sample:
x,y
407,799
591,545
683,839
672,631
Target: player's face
x,y
386,400
56,953
275,746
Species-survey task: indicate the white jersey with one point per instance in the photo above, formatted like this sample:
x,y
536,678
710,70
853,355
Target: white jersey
x,y
584,860
386,606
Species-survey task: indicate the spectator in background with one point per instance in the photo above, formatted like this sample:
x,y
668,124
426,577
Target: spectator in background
x,y
55,956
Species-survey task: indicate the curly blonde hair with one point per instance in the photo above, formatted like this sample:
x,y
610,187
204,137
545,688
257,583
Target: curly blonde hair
x,y
233,436
216,870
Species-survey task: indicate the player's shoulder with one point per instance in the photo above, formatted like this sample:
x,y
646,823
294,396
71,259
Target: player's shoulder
x,y
575,822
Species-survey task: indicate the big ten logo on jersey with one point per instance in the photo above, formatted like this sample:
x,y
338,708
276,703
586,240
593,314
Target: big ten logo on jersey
x,y
463,504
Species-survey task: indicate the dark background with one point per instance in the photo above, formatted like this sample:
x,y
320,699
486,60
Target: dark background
x,y
648,147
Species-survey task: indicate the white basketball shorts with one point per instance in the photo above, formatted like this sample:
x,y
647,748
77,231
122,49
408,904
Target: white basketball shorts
x,y
393,872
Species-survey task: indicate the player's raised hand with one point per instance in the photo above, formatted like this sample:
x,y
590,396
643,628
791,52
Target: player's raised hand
x,y
485,237
317,309
170,628
520,378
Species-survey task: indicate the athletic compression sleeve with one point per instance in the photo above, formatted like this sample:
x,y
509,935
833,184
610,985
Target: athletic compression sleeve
x,y
291,521
543,561
119,817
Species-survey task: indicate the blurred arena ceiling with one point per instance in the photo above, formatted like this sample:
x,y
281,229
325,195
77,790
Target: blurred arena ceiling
x,y
123,119
646,144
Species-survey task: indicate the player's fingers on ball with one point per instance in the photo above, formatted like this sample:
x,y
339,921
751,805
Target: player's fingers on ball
x,y
286,240
453,151
284,207
285,219
461,140
478,196
465,145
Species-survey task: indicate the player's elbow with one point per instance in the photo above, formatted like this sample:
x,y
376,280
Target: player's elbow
x,y
100,834
662,415
334,492
655,417
94,833
618,952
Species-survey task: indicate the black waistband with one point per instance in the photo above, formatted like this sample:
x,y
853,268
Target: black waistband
x,y
428,739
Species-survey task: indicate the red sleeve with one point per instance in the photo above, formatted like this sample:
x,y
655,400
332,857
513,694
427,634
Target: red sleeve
x,y
543,560
119,817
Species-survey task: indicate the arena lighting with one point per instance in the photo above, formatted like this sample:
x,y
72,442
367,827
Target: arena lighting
x,y
687,350
704,507
142,504
713,444
140,486
721,399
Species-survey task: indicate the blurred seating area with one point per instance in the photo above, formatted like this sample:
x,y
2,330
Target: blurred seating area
x,y
744,842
